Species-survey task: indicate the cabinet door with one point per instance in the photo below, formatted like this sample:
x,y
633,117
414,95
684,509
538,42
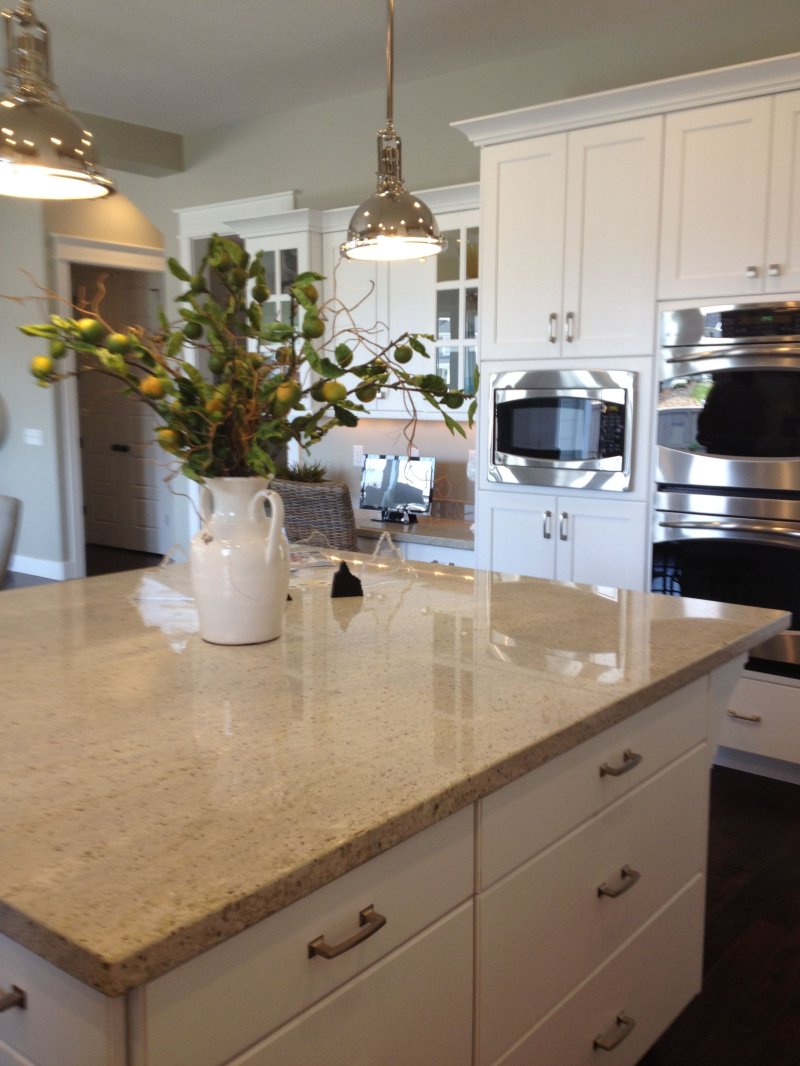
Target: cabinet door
x,y
602,542
610,259
516,534
410,292
714,216
783,235
414,1007
523,192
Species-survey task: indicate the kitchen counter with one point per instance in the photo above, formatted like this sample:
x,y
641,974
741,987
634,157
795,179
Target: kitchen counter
x,y
440,532
160,794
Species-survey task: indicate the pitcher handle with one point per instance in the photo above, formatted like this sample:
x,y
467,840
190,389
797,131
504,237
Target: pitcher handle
x,y
276,525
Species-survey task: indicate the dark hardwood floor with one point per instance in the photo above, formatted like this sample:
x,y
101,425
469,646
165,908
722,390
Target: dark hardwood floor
x,y
101,559
749,1011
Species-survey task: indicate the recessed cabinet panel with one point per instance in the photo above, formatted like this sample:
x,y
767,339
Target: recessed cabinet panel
x,y
783,236
714,218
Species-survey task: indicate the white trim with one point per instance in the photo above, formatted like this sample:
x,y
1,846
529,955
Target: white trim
x,y
25,564
299,220
765,76
64,252
224,217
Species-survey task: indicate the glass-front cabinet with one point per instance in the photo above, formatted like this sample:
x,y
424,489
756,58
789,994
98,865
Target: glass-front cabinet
x,y
457,307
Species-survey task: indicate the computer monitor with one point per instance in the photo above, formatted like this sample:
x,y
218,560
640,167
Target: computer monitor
x,y
399,486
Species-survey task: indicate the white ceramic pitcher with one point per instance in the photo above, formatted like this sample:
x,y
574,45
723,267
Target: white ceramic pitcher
x,y
239,562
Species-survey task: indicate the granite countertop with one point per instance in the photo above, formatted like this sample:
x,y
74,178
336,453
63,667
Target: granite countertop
x,y
160,794
441,532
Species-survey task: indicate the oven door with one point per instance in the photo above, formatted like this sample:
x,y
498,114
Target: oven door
x,y
737,549
730,420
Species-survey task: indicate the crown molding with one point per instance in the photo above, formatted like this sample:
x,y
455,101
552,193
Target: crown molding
x,y
759,78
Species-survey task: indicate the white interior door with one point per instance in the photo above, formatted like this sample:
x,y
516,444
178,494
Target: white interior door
x,y
125,499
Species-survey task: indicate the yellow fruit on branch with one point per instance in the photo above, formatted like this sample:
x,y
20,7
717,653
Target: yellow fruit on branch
x,y
152,387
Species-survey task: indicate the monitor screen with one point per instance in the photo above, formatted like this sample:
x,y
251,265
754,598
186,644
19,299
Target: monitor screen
x,y
398,486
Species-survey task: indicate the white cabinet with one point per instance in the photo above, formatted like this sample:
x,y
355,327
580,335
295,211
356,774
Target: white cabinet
x,y
731,216
569,228
569,538
603,918
413,1007
763,717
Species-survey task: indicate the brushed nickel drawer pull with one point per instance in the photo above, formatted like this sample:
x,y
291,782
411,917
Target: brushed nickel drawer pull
x,y
370,922
624,1028
629,760
744,717
552,328
629,879
17,997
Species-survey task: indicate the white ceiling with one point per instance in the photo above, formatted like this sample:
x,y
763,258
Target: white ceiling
x,y
187,65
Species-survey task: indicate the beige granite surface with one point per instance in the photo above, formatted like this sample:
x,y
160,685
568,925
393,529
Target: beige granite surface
x,y
159,794
441,532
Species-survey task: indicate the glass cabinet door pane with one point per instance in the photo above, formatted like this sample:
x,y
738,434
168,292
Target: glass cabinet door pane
x,y
447,261
470,359
270,276
447,315
447,364
470,313
472,253
288,267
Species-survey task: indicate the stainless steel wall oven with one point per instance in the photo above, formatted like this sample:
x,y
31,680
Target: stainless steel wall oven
x,y
727,504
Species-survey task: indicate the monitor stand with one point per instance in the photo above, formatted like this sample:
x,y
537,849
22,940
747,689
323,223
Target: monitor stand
x,y
405,518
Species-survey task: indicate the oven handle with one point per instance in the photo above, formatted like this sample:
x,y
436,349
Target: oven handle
x,y
742,526
697,355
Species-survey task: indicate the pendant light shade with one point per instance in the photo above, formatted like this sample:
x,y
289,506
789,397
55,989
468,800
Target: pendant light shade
x,y
392,223
45,154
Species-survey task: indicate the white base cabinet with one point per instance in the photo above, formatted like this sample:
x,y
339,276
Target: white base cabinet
x,y
566,538
563,913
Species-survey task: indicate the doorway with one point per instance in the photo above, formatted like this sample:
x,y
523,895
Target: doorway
x,y
115,501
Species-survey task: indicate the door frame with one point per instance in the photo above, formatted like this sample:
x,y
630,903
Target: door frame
x,y
65,251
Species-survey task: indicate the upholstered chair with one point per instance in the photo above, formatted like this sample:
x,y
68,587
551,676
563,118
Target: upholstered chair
x,y
9,519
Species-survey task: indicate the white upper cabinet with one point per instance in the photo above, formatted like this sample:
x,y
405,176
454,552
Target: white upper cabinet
x,y
731,217
569,232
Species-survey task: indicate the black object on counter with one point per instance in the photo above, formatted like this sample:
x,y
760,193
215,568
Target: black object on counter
x,y
345,583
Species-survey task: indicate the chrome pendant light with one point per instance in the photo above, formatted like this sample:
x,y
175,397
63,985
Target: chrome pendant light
x,y
45,154
392,223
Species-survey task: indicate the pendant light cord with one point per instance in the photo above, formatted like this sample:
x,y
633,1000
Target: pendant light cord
x,y
390,67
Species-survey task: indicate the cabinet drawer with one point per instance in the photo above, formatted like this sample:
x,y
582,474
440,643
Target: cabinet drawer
x,y
66,1023
776,731
650,980
546,926
519,820
415,1007
249,985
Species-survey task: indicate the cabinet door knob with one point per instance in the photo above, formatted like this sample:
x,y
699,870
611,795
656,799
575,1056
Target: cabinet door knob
x,y
774,270
570,335
370,922
563,530
751,272
629,760
628,876
623,1028
15,998
547,525
552,328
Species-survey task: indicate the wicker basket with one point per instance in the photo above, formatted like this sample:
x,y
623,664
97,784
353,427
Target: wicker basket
x,y
320,508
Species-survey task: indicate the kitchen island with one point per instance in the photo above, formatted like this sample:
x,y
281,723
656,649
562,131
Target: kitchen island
x,y
187,828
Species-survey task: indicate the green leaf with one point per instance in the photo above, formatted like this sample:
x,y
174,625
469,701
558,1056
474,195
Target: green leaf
x,y
38,331
177,270
345,417
174,345
418,346
473,407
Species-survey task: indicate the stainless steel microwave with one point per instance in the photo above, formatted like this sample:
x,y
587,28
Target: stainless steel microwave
x,y
565,428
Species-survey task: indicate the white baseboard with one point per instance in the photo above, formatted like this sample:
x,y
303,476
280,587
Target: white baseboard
x,y
50,568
